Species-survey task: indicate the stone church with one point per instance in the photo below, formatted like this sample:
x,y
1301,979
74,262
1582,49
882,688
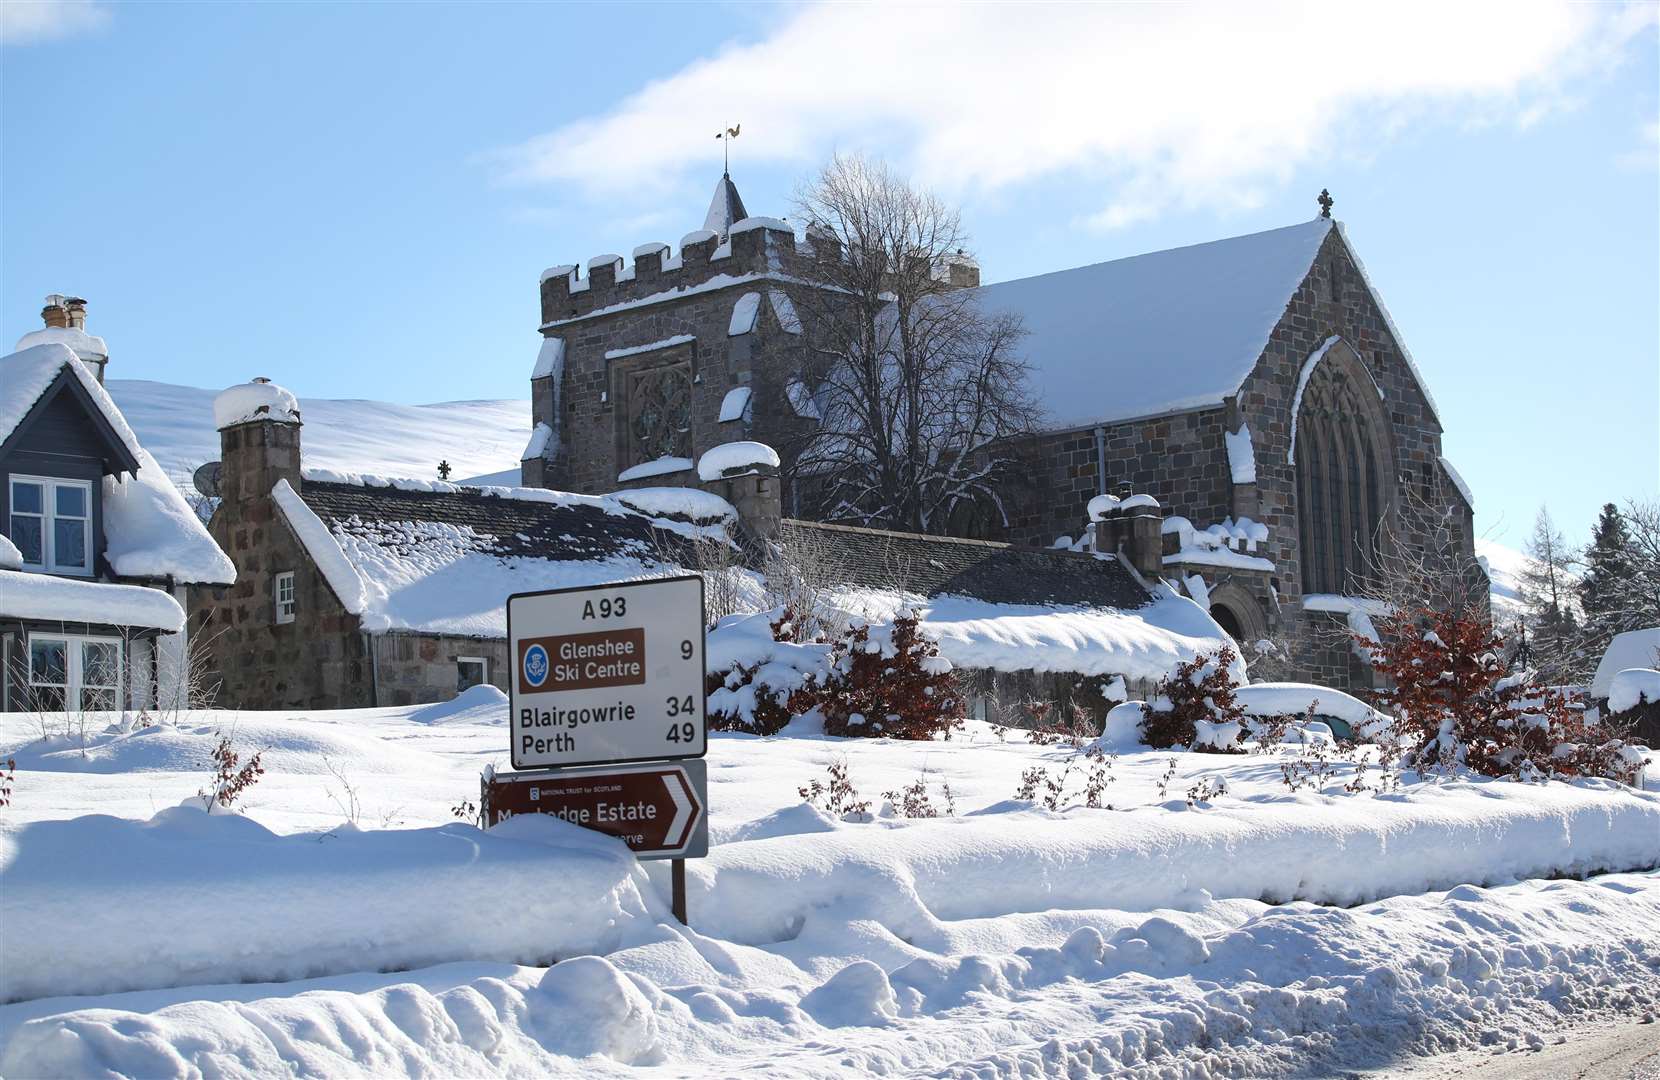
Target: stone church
x,y
1255,388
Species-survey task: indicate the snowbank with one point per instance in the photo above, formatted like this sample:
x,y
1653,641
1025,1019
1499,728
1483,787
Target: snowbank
x,y
1278,847
55,599
257,400
80,896
481,704
717,461
1291,699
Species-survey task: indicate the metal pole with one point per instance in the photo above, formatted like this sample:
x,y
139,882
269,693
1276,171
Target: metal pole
x,y
677,889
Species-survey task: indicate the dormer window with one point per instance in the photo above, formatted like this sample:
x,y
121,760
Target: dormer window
x,y
51,524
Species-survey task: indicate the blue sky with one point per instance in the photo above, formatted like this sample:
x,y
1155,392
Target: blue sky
x,y
357,200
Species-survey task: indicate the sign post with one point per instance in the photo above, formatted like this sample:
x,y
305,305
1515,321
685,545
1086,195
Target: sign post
x,y
610,675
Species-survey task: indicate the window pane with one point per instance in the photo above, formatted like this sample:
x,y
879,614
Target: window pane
x,y
71,501
48,660
98,700
100,663
26,535
469,673
26,498
47,698
69,542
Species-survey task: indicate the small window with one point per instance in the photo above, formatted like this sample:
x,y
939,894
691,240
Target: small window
x,y
74,674
471,671
283,592
51,524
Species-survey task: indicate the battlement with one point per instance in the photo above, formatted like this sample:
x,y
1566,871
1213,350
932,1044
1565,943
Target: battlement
x,y
755,245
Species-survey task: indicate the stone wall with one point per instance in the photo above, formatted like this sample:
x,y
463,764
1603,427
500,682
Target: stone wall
x,y
414,669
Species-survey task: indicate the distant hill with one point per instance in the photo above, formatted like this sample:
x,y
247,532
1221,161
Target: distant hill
x,y
1504,568
175,423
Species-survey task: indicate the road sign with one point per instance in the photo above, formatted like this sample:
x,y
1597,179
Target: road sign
x,y
607,674
660,811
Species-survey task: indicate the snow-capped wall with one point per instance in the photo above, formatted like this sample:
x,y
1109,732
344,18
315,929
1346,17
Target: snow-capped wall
x,y
260,399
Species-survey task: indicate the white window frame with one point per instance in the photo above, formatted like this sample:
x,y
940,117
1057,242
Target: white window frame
x,y
283,610
74,683
483,663
48,520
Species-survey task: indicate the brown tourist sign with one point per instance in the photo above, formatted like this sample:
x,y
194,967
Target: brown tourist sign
x,y
659,811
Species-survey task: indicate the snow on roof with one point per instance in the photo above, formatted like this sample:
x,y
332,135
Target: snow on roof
x,y
1632,649
650,346
743,314
440,558
662,466
1242,456
608,259
540,436
749,224
1160,332
86,346
56,599
735,404
1458,482
28,373
151,532
784,311
550,359
1102,505
655,247
260,399
717,461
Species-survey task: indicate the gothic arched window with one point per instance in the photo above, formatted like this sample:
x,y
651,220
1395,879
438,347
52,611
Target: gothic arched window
x,y
1344,468
660,413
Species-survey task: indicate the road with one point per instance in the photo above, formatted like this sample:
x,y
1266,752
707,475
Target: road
x,y
1623,1051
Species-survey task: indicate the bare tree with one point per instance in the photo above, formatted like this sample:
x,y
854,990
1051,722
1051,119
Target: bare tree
x,y
916,385
1424,562
1549,601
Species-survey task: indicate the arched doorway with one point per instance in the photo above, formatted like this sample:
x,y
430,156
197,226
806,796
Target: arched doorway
x,y
1228,621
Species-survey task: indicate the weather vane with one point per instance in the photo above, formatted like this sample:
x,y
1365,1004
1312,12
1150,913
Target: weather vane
x,y
726,138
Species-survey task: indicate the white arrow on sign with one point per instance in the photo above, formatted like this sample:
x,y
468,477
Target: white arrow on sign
x,y
683,807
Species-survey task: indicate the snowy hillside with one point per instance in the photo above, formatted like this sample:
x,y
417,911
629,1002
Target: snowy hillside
x,y
175,423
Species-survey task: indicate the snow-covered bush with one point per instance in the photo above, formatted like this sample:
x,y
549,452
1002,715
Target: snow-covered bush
x,y
759,680
1456,705
890,682
1195,707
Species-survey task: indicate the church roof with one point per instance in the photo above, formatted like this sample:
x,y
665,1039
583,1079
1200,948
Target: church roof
x,y
726,208
1156,333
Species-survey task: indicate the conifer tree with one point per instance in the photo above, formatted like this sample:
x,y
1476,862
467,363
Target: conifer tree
x,y
1549,599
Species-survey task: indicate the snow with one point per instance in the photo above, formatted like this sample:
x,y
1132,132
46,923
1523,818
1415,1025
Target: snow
x,y
10,557
56,599
677,502
550,359
176,424
717,461
1292,699
607,260
783,309
1148,939
541,437
151,532
1633,687
748,306
324,549
735,404
653,346
29,373
1101,505
717,282
1242,458
564,270
749,224
802,402
654,247
1458,482
1303,376
1138,501
255,401
1504,567
1156,333
1198,590
1632,649
1143,643
657,467
86,346
698,236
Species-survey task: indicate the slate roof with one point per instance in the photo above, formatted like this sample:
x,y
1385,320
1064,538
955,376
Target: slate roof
x,y
726,208
933,566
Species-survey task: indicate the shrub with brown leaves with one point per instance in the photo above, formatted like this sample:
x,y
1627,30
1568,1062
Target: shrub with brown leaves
x,y
1195,705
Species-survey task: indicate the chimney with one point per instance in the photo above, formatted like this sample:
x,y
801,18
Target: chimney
x,y
55,313
745,474
1131,527
75,307
259,440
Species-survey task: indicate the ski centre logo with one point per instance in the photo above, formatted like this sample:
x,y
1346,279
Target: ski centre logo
x,y
536,665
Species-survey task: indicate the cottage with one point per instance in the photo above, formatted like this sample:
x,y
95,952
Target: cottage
x,y
98,546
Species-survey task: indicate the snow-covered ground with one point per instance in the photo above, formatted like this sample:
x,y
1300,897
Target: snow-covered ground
x,y
175,423
1260,931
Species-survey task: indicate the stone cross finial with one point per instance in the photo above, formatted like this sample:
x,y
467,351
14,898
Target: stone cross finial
x,y
443,470
1325,200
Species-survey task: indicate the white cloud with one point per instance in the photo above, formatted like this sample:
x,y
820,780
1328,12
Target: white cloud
x,y
1170,104
23,22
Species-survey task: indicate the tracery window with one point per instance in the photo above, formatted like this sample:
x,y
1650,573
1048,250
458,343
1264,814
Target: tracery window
x,y
1343,474
660,412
